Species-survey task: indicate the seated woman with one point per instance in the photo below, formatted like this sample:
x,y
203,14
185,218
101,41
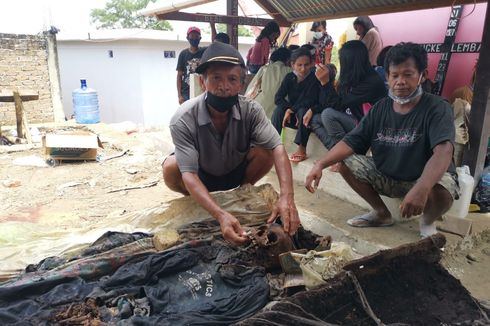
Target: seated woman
x,y
327,98
296,95
359,86
266,82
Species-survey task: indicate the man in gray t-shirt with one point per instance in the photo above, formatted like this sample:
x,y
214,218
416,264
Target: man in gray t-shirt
x,y
223,140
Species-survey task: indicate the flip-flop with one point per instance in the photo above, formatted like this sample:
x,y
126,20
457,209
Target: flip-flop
x,y
296,158
366,221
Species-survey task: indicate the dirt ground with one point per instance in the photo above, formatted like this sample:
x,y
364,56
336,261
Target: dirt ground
x,y
68,195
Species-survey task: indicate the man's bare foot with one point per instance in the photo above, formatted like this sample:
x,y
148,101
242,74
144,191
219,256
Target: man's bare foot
x,y
298,156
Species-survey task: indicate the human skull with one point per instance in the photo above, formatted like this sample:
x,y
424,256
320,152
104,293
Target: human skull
x,y
269,241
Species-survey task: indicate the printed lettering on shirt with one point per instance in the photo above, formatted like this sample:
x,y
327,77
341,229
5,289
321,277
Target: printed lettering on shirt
x,y
190,68
397,137
195,282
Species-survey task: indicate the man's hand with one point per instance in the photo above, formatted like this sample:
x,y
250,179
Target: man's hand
x,y
181,99
414,202
287,117
232,230
313,178
322,74
286,208
307,118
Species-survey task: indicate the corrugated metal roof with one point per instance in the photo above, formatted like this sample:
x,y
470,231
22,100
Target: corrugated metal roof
x,y
308,10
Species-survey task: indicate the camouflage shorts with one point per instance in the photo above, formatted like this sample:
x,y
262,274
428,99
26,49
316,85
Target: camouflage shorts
x,y
364,169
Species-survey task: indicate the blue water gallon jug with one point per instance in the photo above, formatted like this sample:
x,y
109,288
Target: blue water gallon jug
x,y
85,104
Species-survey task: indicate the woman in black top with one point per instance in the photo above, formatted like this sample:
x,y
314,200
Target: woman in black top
x,y
359,86
296,95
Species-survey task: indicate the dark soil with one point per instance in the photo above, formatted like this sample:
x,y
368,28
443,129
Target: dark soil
x,y
406,291
419,293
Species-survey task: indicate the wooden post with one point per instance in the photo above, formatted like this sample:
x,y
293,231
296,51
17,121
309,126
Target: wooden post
x,y
20,114
479,127
19,108
232,29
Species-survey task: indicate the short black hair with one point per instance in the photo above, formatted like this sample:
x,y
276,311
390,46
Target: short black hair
x,y
222,37
404,51
293,47
301,52
281,54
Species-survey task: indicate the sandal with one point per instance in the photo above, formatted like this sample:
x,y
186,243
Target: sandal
x,y
296,158
368,220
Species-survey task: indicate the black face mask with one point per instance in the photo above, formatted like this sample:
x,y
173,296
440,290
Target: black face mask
x,y
221,104
194,42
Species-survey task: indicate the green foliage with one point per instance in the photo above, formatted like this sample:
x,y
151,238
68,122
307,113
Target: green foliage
x,y
221,28
123,14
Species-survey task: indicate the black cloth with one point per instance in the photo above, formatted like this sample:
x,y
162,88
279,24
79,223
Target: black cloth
x,y
187,63
370,90
296,122
293,95
402,144
327,97
225,182
105,242
198,283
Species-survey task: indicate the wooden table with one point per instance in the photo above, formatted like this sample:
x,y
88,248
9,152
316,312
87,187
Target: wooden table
x,y
18,96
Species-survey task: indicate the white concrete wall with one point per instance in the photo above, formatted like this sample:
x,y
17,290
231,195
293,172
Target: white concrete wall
x,y
138,84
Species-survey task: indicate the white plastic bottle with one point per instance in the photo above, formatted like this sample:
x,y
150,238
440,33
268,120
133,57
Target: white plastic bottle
x,y
466,186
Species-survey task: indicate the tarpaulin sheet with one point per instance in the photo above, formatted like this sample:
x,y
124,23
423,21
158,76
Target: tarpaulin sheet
x,y
24,243
123,279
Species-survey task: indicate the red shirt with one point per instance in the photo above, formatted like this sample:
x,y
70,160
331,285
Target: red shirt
x,y
259,53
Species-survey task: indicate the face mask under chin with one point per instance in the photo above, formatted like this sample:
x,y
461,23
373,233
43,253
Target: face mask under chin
x,y
409,98
221,104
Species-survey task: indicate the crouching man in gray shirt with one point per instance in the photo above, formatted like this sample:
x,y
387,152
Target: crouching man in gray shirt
x,y
223,140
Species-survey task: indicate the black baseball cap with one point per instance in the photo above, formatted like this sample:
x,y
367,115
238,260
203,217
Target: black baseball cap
x,y
219,52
